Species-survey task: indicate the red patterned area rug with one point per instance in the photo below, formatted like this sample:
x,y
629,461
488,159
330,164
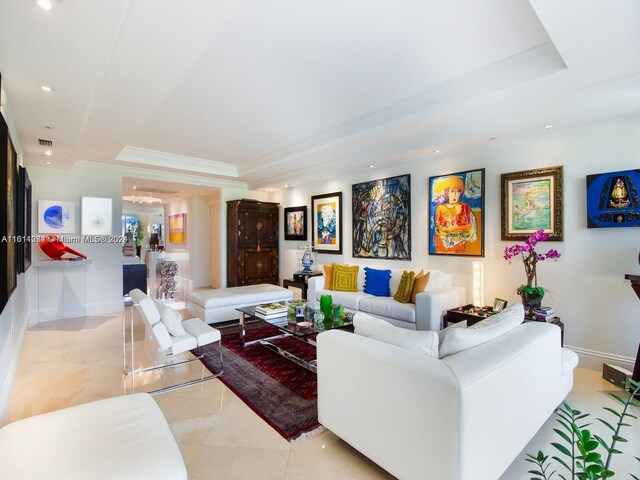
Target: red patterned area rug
x,y
281,392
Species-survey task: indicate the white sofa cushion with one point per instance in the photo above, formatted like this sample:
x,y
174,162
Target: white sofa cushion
x,y
458,339
348,300
417,341
388,307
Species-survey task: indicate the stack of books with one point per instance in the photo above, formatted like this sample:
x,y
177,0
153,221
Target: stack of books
x,y
271,310
544,313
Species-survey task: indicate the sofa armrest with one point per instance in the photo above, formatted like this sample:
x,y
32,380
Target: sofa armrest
x,y
433,304
314,285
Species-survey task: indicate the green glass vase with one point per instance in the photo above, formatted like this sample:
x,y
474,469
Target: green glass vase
x,y
326,307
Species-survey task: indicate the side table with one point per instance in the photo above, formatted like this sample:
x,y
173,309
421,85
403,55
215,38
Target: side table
x,y
474,315
302,285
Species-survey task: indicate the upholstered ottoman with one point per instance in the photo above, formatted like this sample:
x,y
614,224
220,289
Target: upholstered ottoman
x,y
124,438
218,305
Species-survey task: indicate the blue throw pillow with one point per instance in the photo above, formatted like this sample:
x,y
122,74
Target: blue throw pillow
x,y
376,282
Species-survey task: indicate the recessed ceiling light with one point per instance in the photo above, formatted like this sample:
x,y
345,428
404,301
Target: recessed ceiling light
x,y
48,162
436,151
493,138
48,153
135,187
45,4
46,88
47,127
323,176
286,185
370,166
201,193
548,126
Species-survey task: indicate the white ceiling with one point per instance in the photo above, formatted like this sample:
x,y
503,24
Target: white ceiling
x,y
270,93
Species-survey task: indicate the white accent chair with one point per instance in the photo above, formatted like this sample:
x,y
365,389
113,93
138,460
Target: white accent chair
x,y
124,438
197,334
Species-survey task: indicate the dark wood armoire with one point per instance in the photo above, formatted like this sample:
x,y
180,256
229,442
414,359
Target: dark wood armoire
x,y
252,242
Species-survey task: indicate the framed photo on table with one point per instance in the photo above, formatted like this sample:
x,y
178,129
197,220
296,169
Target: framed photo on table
x,y
295,223
531,201
326,222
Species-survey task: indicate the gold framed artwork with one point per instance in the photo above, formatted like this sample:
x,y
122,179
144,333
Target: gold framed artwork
x,y
531,201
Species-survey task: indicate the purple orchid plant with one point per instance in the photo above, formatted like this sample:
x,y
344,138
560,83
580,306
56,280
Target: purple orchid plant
x,y
530,258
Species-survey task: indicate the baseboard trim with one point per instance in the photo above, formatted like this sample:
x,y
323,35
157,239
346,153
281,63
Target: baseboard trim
x,y
593,359
7,389
51,314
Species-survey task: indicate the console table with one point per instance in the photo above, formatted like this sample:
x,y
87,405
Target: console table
x,y
635,284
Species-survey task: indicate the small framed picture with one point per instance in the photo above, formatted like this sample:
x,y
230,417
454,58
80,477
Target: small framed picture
x,y
499,304
295,223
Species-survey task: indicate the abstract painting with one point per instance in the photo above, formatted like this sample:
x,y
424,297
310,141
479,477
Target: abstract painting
x,y
382,218
56,217
295,223
326,222
96,216
612,199
177,228
532,200
8,218
456,214
24,220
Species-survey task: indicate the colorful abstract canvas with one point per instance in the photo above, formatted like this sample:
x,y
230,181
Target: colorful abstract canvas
x,y
177,228
456,214
612,199
295,223
327,223
382,218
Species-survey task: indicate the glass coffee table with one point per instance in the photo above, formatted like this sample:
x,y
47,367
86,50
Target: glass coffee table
x,y
300,331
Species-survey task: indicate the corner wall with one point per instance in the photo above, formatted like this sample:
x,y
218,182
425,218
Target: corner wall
x,y
589,292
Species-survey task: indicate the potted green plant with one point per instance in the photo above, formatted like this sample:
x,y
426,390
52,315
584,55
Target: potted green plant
x,y
531,293
138,236
584,454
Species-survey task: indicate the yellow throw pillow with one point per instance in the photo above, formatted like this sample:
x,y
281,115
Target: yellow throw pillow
x,y
345,278
405,288
420,284
328,277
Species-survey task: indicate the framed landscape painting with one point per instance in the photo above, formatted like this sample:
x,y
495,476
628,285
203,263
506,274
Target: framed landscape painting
x,y
326,222
532,200
382,218
612,199
456,214
295,223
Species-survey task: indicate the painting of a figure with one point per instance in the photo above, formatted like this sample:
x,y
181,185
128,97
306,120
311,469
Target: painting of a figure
x,y
381,218
456,214
327,222
612,199
295,221
531,201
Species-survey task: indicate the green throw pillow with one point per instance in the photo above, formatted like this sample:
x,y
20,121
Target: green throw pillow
x,y
403,294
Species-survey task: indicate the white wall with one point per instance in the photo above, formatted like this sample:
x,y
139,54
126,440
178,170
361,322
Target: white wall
x,y
104,274
589,292
13,318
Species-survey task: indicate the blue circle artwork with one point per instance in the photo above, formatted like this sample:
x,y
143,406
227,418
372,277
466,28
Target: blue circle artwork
x,y
56,216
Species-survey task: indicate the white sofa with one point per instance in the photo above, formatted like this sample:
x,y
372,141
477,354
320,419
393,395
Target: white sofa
x,y
439,296
464,417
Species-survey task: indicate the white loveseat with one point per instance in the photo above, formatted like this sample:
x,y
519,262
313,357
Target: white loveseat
x,y
463,417
439,296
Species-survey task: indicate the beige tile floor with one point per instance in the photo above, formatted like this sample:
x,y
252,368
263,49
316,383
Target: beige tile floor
x,y
74,361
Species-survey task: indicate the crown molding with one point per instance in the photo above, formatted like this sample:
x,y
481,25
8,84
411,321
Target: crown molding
x,y
155,158
161,175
